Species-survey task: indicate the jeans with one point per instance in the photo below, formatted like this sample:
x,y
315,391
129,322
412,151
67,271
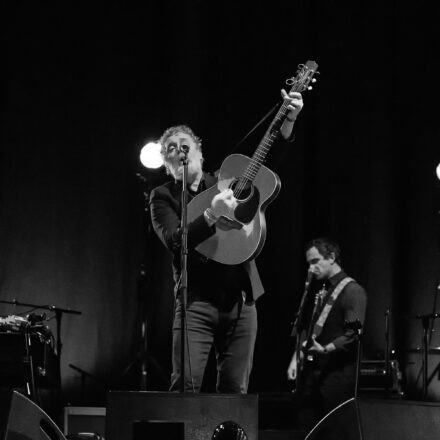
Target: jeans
x,y
232,331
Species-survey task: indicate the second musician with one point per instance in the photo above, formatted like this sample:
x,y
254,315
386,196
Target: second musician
x,y
330,377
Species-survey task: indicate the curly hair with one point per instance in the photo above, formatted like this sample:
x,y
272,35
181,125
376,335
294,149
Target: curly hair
x,y
326,247
171,131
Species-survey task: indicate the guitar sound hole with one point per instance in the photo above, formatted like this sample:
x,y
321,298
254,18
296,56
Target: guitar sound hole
x,y
242,190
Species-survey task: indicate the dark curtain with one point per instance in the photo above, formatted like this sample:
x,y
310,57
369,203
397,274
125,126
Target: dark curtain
x,y
84,88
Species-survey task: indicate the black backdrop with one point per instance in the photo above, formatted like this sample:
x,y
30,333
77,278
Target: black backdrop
x,y
85,87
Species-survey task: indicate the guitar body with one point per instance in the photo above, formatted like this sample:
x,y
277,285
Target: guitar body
x,y
302,360
238,245
304,342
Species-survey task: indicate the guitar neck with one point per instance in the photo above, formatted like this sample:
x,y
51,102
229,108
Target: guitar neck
x,y
259,157
319,297
298,84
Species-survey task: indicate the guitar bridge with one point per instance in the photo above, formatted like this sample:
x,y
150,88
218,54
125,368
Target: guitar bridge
x,y
248,198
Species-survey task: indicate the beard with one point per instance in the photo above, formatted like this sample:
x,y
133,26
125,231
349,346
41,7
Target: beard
x,y
194,170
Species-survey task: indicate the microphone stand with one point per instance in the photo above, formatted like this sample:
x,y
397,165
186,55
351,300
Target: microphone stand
x,y
299,315
183,287
30,380
357,327
298,322
84,376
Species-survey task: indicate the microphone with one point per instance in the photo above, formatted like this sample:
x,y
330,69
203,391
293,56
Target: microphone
x,y
309,278
183,149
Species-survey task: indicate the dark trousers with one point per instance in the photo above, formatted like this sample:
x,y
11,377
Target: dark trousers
x,y
323,391
232,331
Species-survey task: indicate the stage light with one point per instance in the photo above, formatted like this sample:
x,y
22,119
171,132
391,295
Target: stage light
x,y
150,155
229,430
437,171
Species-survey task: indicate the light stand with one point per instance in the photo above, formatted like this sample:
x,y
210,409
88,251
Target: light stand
x,y
387,352
426,319
142,357
428,328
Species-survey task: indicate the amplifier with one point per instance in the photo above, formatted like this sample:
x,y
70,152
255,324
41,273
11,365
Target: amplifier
x,y
374,376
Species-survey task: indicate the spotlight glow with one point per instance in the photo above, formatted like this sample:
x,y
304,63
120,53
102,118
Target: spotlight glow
x,y
150,155
437,171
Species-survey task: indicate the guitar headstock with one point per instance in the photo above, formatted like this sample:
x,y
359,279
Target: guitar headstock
x,y
304,76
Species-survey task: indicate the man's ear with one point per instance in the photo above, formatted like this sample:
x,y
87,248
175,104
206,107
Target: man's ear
x,y
332,257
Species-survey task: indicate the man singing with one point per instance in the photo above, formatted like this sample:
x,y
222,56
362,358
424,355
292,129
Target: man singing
x,y
221,308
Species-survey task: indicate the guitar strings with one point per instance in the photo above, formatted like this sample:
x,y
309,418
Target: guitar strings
x,y
260,154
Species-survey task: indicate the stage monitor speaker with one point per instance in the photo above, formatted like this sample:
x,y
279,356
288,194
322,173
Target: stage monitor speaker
x,y
22,419
372,419
177,416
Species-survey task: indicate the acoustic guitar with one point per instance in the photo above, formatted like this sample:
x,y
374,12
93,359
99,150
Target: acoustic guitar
x,y
254,187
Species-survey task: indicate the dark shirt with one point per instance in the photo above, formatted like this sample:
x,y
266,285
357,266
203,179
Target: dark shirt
x,y
349,306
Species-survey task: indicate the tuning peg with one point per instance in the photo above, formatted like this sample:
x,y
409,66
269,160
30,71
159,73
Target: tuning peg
x,y
309,88
313,80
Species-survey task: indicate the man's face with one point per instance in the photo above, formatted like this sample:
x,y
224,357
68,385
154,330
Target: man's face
x,y
321,267
174,146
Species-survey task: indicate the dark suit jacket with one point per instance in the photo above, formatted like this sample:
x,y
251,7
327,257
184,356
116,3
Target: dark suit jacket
x,y
203,274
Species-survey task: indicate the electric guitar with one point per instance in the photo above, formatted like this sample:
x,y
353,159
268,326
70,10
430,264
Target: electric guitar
x,y
305,341
254,186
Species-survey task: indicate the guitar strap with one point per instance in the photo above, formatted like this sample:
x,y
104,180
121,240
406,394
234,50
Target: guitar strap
x,y
317,329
